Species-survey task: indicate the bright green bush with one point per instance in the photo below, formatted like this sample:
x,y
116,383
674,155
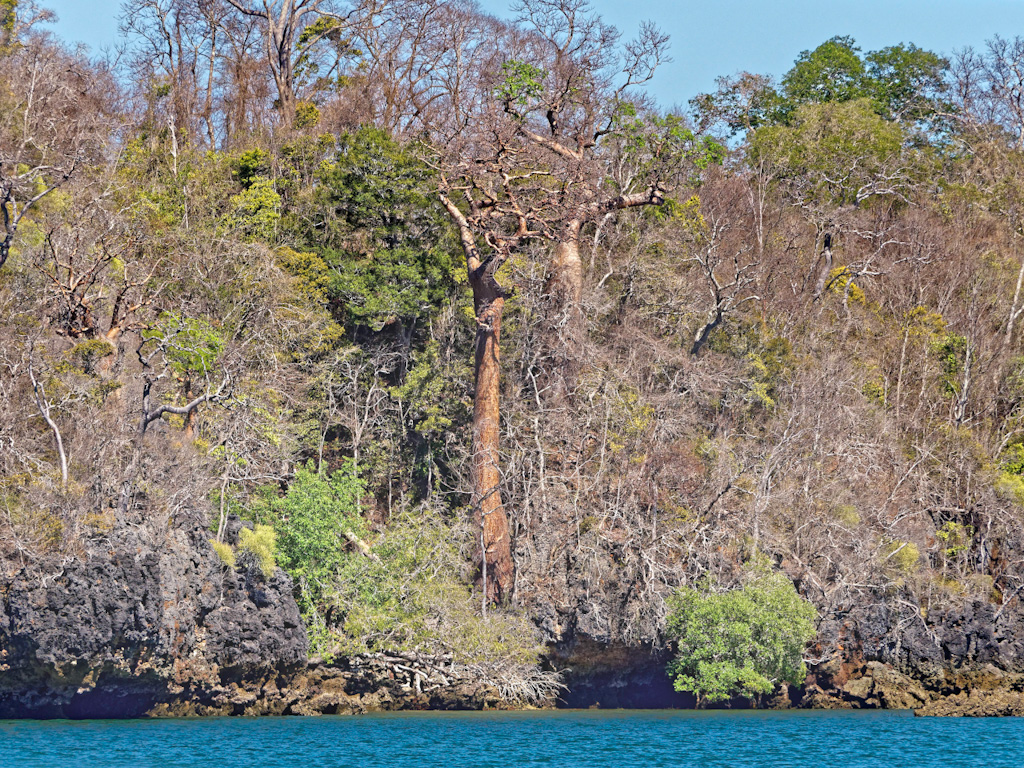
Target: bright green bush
x,y
224,551
413,597
741,642
312,520
903,555
256,211
258,547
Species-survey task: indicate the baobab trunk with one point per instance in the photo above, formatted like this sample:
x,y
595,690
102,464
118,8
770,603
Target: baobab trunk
x,y
494,556
565,315
566,282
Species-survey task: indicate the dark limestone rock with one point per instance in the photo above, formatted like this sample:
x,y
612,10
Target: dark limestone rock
x,y
145,619
616,675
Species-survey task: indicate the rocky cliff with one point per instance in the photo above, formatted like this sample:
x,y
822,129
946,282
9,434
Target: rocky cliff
x,y
143,619
151,622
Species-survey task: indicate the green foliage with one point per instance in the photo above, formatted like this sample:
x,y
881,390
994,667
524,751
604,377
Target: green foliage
x,y
901,82
741,103
8,21
1013,459
314,280
833,71
742,642
313,332
847,514
434,391
413,597
86,354
1010,488
523,83
663,146
193,346
767,357
307,115
224,552
903,555
256,211
841,282
312,520
956,537
951,350
165,192
904,81
323,27
834,151
251,165
388,240
258,548
321,45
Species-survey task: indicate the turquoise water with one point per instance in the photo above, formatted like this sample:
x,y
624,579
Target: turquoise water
x,y
617,739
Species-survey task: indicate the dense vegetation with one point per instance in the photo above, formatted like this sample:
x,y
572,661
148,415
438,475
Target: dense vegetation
x,y
782,328
742,642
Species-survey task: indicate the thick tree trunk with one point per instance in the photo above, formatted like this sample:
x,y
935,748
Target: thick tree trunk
x,y
566,281
496,571
495,557
562,355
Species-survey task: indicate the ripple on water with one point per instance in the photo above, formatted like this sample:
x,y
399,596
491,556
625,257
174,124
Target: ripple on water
x,y
616,738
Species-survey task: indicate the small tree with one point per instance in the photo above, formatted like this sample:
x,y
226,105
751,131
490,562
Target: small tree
x,y
741,642
316,522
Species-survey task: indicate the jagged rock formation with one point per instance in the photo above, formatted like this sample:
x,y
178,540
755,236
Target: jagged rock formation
x,y
151,622
939,663
143,619
965,658
155,624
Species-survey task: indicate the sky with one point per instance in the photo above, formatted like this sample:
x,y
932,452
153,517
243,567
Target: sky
x,y
724,37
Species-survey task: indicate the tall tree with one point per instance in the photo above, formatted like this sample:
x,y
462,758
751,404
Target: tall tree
x,y
175,57
536,135
292,31
39,152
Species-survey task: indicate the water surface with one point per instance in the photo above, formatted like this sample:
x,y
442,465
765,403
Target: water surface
x,y
617,739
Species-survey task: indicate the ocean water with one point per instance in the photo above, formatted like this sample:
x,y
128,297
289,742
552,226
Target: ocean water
x,y
616,739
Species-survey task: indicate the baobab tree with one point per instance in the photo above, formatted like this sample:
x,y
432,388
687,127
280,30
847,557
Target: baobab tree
x,y
534,134
569,98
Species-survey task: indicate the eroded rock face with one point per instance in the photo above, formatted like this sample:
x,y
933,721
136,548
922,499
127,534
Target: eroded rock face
x,y
143,620
995,694
961,659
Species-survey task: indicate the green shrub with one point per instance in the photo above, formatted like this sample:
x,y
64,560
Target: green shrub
x,y
312,521
847,514
256,211
258,548
412,598
224,551
904,555
741,642
1010,488
1013,460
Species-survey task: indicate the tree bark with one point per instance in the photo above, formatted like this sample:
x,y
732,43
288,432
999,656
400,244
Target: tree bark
x,y
563,357
496,569
826,267
495,574
565,316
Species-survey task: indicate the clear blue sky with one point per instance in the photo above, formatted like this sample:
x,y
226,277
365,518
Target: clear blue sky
x,y
722,37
